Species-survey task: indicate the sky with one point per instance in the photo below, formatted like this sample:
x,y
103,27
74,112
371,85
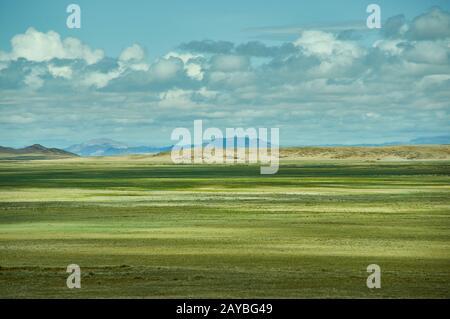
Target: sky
x,y
136,70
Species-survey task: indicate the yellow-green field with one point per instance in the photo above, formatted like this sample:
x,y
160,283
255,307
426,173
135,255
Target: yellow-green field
x,y
141,228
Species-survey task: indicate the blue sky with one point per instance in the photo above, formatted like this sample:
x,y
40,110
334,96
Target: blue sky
x,y
138,69
162,25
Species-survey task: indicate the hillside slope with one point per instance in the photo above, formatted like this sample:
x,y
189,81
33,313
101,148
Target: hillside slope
x,y
404,152
35,151
371,153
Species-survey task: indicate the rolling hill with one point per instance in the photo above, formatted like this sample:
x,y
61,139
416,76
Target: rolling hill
x,y
33,152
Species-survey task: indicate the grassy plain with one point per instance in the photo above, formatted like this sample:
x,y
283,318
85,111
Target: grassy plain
x,y
139,227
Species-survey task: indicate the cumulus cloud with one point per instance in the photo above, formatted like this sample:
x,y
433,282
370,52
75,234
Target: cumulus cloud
x,y
325,44
336,57
39,46
134,57
131,58
132,53
191,63
434,24
99,79
390,46
60,71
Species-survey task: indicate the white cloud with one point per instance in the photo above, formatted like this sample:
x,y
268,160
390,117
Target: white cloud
x,y
336,56
133,57
75,49
176,98
389,46
324,44
60,71
193,70
98,79
133,53
38,47
180,98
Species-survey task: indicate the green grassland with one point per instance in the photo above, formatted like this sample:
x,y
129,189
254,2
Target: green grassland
x,y
143,228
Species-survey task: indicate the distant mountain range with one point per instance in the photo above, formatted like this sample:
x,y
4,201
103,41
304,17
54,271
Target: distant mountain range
x,y
435,140
108,147
35,151
431,140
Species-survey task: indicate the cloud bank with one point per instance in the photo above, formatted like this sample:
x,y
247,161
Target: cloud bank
x,y
323,88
